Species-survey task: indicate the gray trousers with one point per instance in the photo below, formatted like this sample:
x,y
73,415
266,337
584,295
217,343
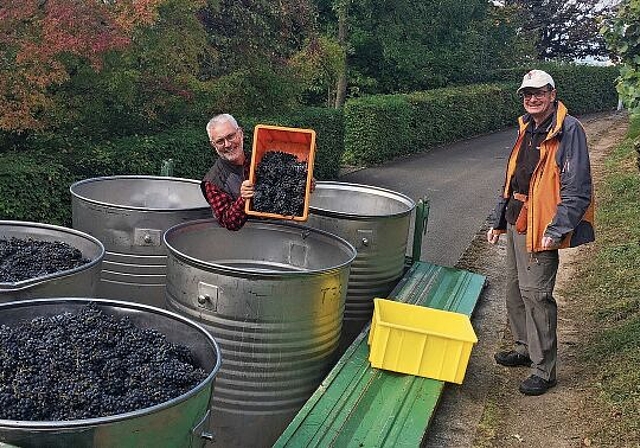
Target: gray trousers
x,y
531,308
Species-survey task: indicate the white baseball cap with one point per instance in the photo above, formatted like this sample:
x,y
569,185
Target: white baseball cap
x,y
536,79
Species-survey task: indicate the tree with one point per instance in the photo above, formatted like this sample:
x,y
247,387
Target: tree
x,y
400,46
342,7
252,31
149,85
319,66
561,29
41,39
622,34
251,45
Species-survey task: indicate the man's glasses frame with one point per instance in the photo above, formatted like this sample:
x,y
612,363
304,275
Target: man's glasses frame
x,y
537,94
219,143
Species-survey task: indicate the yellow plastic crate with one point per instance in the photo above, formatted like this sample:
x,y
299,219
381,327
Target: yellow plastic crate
x,y
420,341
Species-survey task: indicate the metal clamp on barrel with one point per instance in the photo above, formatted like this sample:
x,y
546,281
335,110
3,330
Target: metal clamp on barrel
x,y
147,237
207,296
365,239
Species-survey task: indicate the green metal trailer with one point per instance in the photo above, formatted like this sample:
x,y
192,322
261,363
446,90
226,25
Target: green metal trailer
x,y
361,406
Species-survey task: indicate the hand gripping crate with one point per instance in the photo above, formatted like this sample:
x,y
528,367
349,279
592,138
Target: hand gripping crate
x,y
299,142
420,341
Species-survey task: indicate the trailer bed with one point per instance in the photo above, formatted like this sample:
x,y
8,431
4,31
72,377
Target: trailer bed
x,y
360,406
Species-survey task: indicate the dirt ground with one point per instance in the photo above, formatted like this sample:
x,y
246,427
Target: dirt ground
x,y
558,419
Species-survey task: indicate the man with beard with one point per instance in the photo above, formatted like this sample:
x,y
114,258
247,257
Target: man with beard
x,y
226,185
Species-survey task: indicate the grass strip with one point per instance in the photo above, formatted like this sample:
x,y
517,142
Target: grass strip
x,y
610,287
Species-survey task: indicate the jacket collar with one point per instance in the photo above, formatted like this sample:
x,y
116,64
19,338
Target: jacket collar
x,y
556,122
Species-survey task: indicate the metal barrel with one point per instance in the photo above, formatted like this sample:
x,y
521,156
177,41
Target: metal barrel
x,y
129,214
78,282
272,295
376,222
181,422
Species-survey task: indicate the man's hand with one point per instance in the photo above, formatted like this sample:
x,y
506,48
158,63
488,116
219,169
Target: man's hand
x,y
246,190
493,236
549,243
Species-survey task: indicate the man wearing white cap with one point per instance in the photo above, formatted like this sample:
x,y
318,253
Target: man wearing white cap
x,y
546,204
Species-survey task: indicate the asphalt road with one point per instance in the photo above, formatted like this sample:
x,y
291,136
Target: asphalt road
x,y
461,181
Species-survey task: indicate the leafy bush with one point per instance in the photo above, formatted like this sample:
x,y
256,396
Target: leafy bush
x,y
378,128
261,89
35,189
188,147
143,155
446,115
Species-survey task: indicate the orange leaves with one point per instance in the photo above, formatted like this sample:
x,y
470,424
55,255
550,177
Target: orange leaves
x,y
132,13
39,39
84,29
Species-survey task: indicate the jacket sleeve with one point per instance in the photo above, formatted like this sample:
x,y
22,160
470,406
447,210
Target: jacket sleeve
x,y
575,180
497,217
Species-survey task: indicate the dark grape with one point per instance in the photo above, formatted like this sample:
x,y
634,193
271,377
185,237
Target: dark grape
x,y
22,259
88,364
280,184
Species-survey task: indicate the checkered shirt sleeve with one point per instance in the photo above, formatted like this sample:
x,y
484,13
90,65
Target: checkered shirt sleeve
x,y
229,213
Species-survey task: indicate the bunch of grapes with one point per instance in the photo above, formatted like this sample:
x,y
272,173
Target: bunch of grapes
x,y
22,259
280,184
88,364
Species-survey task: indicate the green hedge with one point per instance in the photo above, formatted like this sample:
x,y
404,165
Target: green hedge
x,y
33,188
447,115
377,128
143,155
191,152
380,128
35,183
586,89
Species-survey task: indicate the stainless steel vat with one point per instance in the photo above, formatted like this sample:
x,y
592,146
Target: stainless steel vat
x,y
180,422
129,214
376,222
273,296
78,282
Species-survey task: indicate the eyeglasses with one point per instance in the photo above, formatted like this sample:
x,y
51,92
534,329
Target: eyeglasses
x,y
219,143
537,94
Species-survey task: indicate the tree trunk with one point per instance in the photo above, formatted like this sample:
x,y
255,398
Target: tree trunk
x,y
341,86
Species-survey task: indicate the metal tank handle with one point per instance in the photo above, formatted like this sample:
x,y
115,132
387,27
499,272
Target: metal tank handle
x,y
199,433
420,228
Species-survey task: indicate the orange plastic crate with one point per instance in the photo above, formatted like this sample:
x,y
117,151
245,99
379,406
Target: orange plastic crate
x,y
299,142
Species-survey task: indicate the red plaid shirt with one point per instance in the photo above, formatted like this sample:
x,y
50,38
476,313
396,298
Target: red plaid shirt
x,y
229,212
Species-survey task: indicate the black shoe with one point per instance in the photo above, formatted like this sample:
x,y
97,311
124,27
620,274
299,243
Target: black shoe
x,y
512,359
534,385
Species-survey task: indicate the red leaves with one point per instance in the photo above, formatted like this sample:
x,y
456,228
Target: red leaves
x,y
39,36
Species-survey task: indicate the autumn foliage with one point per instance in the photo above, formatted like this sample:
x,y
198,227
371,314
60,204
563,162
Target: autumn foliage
x,y
39,39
